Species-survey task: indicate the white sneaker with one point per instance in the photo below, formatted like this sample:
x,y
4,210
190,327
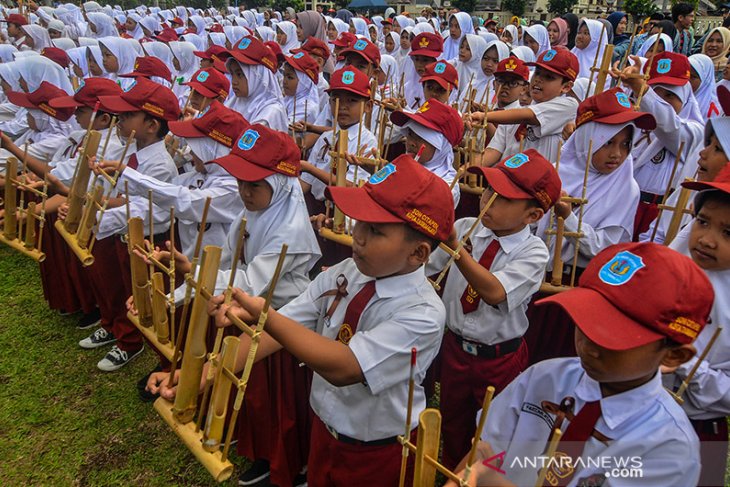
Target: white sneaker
x,y
97,339
116,359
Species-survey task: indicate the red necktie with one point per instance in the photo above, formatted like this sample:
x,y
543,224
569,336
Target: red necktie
x,y
353,312
573,442
521,132
132,162
470,299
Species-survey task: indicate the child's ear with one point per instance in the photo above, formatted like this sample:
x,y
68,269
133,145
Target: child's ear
x,y
153,125
679,355
567,86
421,253
534,215
368,106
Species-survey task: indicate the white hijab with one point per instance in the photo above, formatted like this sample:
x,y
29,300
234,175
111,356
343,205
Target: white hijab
x,y
103,24
305,104
473,67
78,57
649,43
235,33
6,53
594,50
126,54
264,103
200,42
63,43
37,69
290,30
265,33
183,52
396,44
524,53
442,162
40,36
706,94
540,34
391,69
482,83
451,46
512,29
137,33
360,26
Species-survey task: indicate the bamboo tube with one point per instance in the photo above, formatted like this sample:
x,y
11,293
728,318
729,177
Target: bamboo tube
x,y
338,221
21,180
29,241
10,223
603,71
140,273
668,189
88,219
685,383
557,274
213,433
580,213
159,309
550,453
427,445
677,216
77,192
409,413
478,433
194,357
647,68
595,59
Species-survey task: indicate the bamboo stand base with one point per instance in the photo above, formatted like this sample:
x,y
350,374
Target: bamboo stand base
x,y
83,254
19,245
212,461
167,349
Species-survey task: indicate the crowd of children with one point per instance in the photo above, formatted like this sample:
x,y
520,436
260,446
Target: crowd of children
x,y
514,212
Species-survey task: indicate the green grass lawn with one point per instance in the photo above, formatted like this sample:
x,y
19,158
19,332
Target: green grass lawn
x,y
63,421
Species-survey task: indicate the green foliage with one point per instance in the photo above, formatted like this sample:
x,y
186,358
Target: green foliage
x,y
517,7
281,5
560,7
640,9
465,5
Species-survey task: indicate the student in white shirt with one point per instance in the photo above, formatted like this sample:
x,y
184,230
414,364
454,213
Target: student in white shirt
x,y
487,292
609,402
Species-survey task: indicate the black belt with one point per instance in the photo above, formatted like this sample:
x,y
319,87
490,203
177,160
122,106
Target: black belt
x,y
488,351
354,441
652,198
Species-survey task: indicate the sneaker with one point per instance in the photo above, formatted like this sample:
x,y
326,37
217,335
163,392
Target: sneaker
x,y
117,358
258,474
97,339
89,320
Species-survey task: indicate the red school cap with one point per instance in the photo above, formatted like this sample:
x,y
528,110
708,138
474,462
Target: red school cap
x,y
15,19
316,47
525,175
87,94
350,79
56,55
345,39
723,96
167,34
401,192
211,52
260,152
364,48
301,61
669,68
40,99
216,121
436,116
144,96
210,83
559,61
275,48
427,44
606,309
513,66
443,73
252,51
612,107
720,183
148,66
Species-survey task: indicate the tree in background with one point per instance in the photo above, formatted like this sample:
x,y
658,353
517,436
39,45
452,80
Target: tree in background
x,y
639,9
560,7
517,7
465,5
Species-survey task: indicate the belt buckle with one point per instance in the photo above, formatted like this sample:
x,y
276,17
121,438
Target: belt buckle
x,y
469,347
332,431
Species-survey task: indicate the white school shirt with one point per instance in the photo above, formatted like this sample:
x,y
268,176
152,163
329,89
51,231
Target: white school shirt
x,y
405,312
64,161
653,162
594,239
644,423
519,265
153,161
504,139
187,193
552,115
708,394
319,156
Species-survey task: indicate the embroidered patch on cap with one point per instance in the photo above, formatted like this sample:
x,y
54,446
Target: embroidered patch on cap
x,y
382,174
440,68
424,108
621,268
82,83
203,112
245,42
131,85
516,161
423,42
663,66
623,100
511,65
248,139
360,45
348,77
203,76
298,55
549,55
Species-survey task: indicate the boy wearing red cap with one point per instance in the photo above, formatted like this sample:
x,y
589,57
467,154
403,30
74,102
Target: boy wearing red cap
x,y
426,48
668,96
540,125
363,55
609,401
207,85
350,91
15,31
146,107
487,292
358,342
440,81
706,400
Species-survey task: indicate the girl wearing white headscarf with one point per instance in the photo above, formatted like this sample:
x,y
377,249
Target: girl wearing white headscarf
x,y
537,35
63,43
424,27
648,46
36,38
100,25
460,24
264,33
12,117
581,91
216,39
150,26
484,81
594,40
95,61
185,64
470,70
525,54
359,27
513,37
134,30
200,42
706,90
88,41
401,22
304,103
196,25
6,52
235,33
286,36
125,53
161,51
264,102
79,63
395,39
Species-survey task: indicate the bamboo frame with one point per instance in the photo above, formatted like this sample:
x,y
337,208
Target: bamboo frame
x,y
685,383
668,190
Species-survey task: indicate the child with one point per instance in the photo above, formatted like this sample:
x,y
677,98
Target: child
x,y
536,37
590,42
703,85
705,401
469,64
207,86
363,55
320,52
459,26
286,36
484,91
426,48
96,62
257,94
15,32
486,299
152,68
360,348
118,58
301,74
440,82
611,396
541,123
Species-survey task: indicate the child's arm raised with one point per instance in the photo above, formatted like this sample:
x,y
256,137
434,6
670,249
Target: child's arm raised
x,y
511,116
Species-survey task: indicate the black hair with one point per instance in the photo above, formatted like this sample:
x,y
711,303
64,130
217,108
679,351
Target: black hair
x,y
681,9
710,195
656,16
726,22
413,235
164,128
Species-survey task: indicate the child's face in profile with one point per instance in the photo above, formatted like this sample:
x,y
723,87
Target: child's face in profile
x,y
614,152
464,51
712,160
709,238
431,89
507,216
129,121
290,82
94,68
109,60
256,196
546,85
381,249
